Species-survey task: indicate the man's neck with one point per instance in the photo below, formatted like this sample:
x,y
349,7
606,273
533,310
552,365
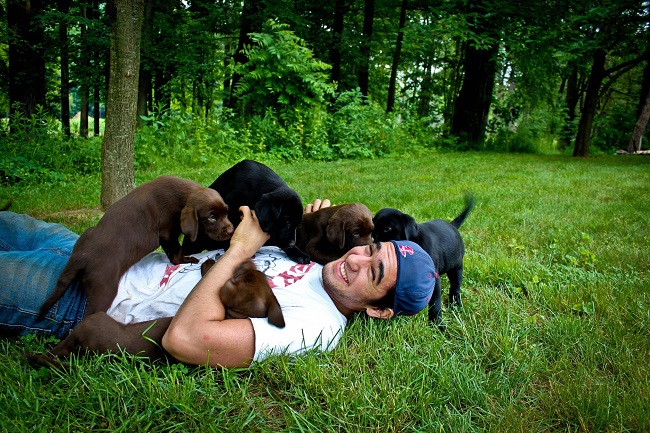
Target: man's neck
x,y
342,309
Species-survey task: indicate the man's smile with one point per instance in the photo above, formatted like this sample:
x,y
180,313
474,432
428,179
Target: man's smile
x,y
344,273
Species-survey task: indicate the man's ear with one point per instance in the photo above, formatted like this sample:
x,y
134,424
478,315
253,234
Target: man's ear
x,y
380,313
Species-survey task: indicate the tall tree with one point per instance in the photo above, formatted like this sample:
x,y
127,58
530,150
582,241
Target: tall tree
x,y
609,31
364,59
251,22
26,59
390,102
146,64
639,128
573,84
472,105
337,38
64,9
592,94
84,72
97,73
121,106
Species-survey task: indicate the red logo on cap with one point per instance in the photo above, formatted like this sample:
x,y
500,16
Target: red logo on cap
x,y
403,249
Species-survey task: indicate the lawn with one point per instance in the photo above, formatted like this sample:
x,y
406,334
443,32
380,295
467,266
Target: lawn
x,y
553,337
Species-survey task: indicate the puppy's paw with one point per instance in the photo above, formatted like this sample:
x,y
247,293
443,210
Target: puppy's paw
x,y
295,254
303,259
455,303
38,360
189,259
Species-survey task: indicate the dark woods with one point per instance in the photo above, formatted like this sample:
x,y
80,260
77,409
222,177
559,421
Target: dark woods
x,y
329,80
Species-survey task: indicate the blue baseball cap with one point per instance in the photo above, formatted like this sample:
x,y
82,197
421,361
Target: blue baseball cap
x,y
416,276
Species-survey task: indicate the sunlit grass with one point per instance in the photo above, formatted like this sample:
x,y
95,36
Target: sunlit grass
x,y
553,335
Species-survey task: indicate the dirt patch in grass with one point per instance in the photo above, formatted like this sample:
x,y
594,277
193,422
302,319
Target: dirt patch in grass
x,y
74,219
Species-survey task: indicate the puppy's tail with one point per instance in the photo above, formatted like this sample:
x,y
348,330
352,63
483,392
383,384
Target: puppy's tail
x,y
70,273
458,221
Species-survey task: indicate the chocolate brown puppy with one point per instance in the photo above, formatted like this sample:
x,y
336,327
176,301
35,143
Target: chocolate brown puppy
x,y
330,232
248,294
153,214
100,333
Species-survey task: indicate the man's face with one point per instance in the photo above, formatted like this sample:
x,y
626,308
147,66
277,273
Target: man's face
x,y
363,275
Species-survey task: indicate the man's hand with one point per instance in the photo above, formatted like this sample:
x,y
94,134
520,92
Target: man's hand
x,y
318,204
248,236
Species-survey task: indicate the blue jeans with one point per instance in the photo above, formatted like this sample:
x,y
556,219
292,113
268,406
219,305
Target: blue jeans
x,y
32,255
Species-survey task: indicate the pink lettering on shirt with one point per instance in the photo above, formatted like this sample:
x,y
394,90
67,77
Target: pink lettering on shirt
x,y
290,276
169,270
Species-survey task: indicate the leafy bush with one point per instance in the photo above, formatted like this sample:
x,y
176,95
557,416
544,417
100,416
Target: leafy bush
x,y
355,128
613,132
530,134
188,139
35,151
282,73
359,129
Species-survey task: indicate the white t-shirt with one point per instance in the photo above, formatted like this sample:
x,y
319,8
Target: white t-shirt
x,y
154,288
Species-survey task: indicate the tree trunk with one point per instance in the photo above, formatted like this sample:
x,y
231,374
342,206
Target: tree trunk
x,y
122,101
64,8
390,103
84,90
337,36
225,94
639,128
596,77
97,111
144,85
251,22
26,57
161,91
645,82
472,106
364,63
97,78
426,90
572,97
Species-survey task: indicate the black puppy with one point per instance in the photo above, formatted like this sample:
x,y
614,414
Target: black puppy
x,y
439,238
278,207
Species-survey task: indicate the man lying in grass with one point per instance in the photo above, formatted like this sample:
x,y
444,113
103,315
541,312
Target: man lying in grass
x,y
383,279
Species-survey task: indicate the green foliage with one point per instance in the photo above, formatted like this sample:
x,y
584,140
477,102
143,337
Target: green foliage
x,y
35,151
355,128
282,73
359,129
613,132
188,139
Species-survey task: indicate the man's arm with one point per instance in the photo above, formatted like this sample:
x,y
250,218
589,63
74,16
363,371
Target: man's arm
x,y
199,334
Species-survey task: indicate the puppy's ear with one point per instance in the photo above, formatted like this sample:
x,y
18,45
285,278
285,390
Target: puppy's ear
x,y
190,222
275,311
268,210
410,227
335,231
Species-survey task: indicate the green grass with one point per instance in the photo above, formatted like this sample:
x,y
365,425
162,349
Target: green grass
x,y
553,336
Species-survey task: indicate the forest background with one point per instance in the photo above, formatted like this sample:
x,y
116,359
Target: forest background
x,y
318,80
